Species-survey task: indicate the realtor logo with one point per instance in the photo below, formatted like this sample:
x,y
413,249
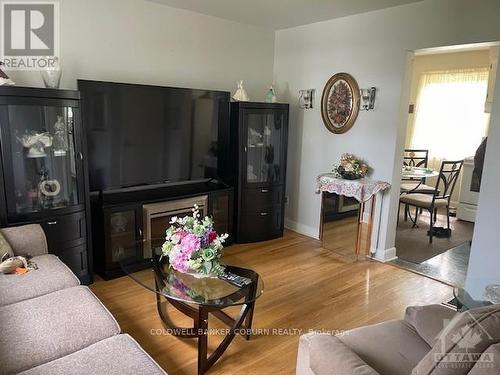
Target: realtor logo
x,y
30,34
465,341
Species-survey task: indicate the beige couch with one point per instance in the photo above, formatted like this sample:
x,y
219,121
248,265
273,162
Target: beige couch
x,y
50,324
429,340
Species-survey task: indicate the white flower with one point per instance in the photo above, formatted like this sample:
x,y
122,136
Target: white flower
x,y
175,238
174,220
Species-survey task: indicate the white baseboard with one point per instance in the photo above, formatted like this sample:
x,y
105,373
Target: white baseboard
x,y
385,255
306,230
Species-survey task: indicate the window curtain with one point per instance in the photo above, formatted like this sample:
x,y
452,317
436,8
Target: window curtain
x,y
450,121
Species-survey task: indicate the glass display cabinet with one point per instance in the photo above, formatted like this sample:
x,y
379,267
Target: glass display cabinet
x,y
258,137
40,158
264,139
42,168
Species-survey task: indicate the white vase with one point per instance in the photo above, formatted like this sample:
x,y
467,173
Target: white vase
x,y
52,75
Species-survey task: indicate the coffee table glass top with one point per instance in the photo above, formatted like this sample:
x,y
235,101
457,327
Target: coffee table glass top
x,y
466,301
155,274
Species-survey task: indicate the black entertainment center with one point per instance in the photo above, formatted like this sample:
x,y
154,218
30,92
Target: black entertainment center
x,y
132,158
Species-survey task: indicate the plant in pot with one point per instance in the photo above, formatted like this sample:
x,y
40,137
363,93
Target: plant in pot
x,y
351,167
193,246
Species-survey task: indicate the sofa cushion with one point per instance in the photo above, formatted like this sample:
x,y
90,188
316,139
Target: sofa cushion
x,y
42,329
329,355
26,239
51,275
5,247
391,348
422,200
117,355
429,320
463,340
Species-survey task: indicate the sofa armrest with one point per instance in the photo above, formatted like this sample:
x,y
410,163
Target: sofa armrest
x,y
429,320
323,354
26,240
488,363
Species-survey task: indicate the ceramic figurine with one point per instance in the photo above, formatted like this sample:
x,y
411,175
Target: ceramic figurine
x,y
255,136
251,176
60,143
271,95
241,95
36,143
4,78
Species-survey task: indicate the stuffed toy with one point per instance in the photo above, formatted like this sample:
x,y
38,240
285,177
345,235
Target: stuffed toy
x,y
16,264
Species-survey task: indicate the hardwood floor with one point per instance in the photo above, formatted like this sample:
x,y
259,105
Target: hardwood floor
x,y
306,287
340,236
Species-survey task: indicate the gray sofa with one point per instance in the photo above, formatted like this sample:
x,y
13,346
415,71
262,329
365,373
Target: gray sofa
x,y
51,324
430,340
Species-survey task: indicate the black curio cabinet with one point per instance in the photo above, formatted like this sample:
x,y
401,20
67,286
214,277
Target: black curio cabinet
x,y
255,163
43,171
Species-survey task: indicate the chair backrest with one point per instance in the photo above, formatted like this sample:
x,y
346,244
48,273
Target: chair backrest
x,y
415,158
448,176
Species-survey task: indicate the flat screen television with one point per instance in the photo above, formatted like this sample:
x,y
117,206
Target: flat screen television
x,y
143,135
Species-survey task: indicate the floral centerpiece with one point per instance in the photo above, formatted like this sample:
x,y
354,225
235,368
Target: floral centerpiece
x,y
193,246
351,168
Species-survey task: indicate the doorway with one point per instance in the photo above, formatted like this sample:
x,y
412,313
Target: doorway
x,y
448,117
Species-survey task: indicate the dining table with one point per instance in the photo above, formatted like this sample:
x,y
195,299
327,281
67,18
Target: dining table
x,y
418,175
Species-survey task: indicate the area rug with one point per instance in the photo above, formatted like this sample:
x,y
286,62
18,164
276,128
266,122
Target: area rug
x,y
413,245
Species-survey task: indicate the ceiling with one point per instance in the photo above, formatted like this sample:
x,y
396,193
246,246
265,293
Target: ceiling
x,y
281,14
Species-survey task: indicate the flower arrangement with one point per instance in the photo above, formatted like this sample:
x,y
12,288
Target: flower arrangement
x,y
351,168
192,245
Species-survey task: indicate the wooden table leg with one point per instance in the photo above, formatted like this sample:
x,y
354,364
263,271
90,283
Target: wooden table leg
x,y
360,227
201,324
370,226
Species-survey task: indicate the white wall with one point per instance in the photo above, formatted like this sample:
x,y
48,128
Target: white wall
x,y
372,47
485,253
143,42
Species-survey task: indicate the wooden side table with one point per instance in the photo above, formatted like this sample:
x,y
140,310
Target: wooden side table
x,y
363,190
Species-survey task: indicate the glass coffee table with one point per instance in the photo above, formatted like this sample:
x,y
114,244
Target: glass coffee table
x,y
198,298
465,301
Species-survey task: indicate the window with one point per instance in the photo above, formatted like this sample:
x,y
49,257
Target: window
x,y
450,120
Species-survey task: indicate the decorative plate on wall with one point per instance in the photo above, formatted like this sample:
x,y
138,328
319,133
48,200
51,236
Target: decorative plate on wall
x,y
340,103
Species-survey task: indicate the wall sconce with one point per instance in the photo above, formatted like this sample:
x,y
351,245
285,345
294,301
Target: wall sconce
x,y
368,98
306,98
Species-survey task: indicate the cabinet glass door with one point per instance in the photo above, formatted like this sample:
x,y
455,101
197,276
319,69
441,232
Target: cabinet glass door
x,y
264,142
40,164
123,239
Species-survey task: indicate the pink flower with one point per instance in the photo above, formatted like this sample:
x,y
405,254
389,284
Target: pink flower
x,y
190,244
179,264
182,233
178,259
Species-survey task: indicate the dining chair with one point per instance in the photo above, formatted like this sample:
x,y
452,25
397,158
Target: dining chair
x,y
420,159
448,176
